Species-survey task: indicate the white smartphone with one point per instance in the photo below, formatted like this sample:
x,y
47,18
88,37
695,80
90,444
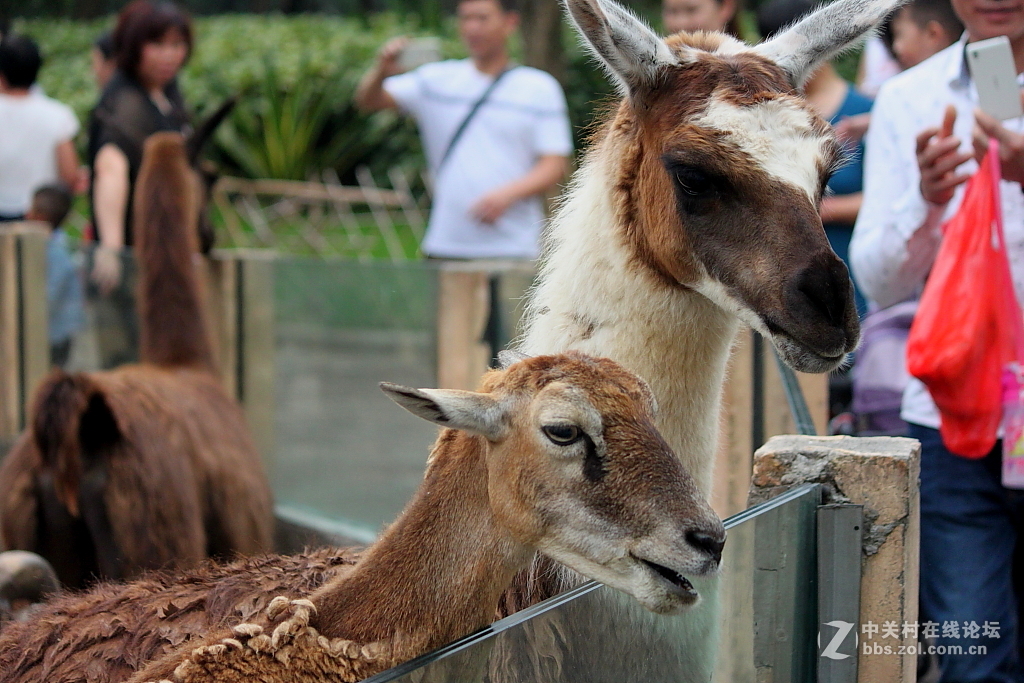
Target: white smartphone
x,y
995,76
418,52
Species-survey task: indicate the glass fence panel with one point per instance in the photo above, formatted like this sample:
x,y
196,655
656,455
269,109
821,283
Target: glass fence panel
x,y
338,449
755,623
344,450
109,335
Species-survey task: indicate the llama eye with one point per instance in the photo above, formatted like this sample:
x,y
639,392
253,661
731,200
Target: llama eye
x,y
694,183
562,435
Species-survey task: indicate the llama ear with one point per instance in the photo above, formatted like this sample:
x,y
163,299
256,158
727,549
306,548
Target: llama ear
x,y
633,54
466,410
823,34
204,131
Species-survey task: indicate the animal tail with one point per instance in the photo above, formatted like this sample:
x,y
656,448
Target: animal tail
x,y
173,329
70,421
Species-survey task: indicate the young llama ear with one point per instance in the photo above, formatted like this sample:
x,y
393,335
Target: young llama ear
x,y
823,34
633,54
466,410
508,358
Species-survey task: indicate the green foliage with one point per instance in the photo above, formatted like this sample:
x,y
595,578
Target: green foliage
x,y
296,75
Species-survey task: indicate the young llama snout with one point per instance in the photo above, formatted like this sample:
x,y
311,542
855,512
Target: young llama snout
x,y
529,463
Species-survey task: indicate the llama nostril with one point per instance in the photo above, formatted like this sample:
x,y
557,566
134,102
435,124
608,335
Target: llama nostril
x,y
712,544
826,289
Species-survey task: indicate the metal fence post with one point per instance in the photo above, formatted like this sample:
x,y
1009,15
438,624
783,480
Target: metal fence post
x,y
241,296
840,530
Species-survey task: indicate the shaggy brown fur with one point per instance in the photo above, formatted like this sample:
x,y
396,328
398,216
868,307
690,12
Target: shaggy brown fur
x,y
148,465
105,635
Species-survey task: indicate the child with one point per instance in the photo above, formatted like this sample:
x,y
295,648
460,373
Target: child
x,y
51,204
700,15
923,28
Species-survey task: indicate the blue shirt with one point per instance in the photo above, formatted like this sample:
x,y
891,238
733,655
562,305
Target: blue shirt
x,y
848,180
63,290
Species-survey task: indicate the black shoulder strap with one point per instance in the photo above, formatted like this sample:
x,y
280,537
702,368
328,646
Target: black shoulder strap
x,y
469,117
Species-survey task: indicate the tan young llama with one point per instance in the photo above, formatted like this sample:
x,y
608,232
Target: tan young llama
x,y
556,453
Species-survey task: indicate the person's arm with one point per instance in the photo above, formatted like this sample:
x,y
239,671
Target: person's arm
x,y
897,234
545,174
110,201
68,165
370,93
841,208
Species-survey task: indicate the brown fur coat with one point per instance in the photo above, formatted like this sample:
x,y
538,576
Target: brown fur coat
x,y
75,638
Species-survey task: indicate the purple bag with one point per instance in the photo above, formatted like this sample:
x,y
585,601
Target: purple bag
x,y
880,374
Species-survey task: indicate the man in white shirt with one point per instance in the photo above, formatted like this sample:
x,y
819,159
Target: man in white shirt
x,y
919,153
36,133
514,147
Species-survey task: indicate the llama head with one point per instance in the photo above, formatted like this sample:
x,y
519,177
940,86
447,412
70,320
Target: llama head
x,y
721,167
175,158
577,470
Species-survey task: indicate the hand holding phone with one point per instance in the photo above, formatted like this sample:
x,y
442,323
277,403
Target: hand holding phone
x,y
419,51
995,76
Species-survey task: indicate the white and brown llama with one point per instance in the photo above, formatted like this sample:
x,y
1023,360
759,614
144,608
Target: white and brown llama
x,y
694,210
556,453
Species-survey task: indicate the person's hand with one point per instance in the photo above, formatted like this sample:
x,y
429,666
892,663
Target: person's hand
x,y
938,157
389,56
1011,145
492,206
851,129
106,268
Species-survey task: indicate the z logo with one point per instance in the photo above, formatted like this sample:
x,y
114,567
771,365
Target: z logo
x,y
843,628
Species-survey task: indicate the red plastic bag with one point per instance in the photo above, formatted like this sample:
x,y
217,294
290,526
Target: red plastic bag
x,y
968,326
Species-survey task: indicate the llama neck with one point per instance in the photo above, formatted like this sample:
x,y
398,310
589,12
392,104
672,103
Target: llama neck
x,y
170,297
437,573
594,298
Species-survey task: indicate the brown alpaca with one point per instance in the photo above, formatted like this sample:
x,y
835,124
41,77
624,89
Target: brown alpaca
x,y
558,453
147,465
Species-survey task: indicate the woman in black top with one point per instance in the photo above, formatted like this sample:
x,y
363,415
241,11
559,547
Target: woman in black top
x,y
152,41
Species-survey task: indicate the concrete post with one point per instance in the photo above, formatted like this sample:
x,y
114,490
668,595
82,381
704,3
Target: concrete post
x,y
24,349
880,473
464,306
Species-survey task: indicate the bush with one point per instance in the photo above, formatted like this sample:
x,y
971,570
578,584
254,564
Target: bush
x,y
296,76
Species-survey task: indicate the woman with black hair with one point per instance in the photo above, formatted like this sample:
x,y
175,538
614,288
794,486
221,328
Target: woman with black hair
x,y
152,41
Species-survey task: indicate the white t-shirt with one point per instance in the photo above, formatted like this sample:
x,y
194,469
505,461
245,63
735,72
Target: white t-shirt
x,y
523,119
31,128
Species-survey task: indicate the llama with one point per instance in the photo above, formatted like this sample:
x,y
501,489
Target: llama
x,y
695,209
148,465
556,453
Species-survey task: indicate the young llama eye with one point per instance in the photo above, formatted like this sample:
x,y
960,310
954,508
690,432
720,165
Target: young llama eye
x,y
563,435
